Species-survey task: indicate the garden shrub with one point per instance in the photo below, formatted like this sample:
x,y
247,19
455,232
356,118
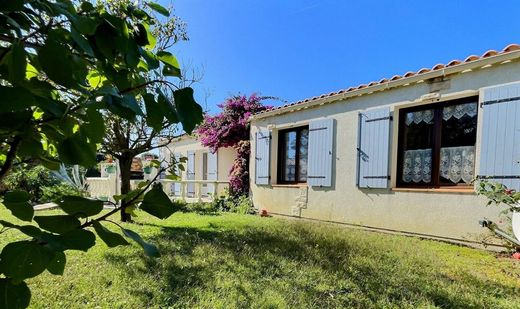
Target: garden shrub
x,y
56,192
40,183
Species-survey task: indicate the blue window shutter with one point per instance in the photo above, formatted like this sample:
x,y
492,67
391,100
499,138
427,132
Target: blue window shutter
x,y
374,148
321,138
500,139
190,173
262,157
176,185
212,169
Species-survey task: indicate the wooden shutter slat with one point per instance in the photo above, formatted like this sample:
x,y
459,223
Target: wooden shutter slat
x,y
374,148
319,160
500,135
262,157
212,169
190,173
177,186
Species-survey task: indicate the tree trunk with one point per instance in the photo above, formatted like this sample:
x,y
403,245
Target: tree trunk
x,y
125,164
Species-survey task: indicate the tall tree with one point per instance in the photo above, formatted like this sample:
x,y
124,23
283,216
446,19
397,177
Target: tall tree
x,y
64,66
125,138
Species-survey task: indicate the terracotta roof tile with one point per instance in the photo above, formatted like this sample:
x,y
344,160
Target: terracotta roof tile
x,y
471,58
453,62
490,53
511,47
423,70
438,66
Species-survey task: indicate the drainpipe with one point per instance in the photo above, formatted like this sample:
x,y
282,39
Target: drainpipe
x,y
494,228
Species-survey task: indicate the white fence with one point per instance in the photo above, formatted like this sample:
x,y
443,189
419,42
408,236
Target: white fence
x,y
203,190
104,188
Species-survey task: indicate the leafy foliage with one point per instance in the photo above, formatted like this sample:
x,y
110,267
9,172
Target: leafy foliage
x,y
498,193
41,183
230,128
65,68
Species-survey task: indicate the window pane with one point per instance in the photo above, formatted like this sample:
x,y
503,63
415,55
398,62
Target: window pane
x,y
303,151
417,147
459,133
289,166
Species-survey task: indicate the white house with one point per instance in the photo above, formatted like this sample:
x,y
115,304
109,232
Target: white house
x,y
205,174
399,154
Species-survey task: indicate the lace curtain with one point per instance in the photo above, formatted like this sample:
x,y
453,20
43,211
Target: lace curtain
x,y
417,165
420,116
457,111
458,163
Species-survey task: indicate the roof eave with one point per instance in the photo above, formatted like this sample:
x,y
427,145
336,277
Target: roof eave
x,y
393,84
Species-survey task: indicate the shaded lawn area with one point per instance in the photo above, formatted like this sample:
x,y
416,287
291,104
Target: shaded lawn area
x,y
242,261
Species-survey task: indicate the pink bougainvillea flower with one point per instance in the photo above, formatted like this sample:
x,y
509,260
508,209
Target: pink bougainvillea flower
x,y
230,128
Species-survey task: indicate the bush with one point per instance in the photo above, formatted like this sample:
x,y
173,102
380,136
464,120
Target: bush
x,y
233,203
56,192
225,203
32,180
40,183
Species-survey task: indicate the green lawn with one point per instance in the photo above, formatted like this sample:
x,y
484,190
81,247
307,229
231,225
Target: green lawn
x,y
243,261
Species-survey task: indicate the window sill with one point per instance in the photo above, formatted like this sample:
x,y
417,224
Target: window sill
x,y
296,185
467,190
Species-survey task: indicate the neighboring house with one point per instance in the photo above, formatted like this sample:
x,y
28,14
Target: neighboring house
x,y
399,154
205,173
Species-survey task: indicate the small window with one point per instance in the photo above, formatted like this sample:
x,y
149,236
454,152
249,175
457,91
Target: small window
x,y
437,144
292,155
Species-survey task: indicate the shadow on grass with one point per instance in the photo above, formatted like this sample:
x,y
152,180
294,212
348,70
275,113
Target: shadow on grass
x,y
304,266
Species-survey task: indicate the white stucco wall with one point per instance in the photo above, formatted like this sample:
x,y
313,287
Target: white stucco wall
x,y
435,213
225,158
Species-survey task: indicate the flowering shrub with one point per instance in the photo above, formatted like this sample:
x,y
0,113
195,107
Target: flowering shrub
x,y
497,193
230,128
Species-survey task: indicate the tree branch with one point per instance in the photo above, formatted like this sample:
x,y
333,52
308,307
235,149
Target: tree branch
x,y
11,155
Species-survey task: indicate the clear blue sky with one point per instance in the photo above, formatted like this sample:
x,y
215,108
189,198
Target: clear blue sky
x,y
299,49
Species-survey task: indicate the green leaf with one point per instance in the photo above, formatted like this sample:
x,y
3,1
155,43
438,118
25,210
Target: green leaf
x,y
14,296
17,202
157,203
81,41
24,259
95,128
57,265
149,36
130,102
17,62
11,5
167,107
59,224
154,113
158,8
110,238
15,98
55,60
78,239
116,106
190,113
172,67
148,248
150,58
85,25
76,149
80,206
29,230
